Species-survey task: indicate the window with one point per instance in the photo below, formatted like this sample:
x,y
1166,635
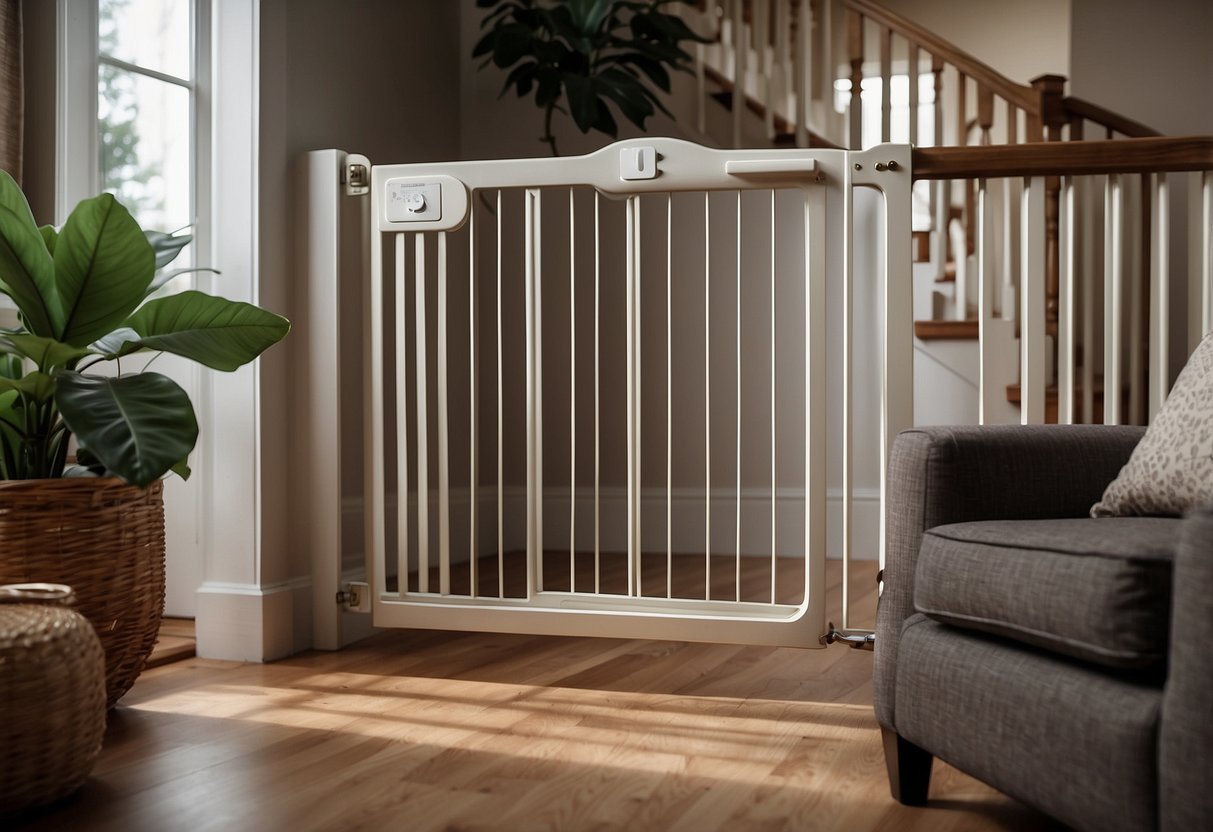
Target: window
x,y
146,143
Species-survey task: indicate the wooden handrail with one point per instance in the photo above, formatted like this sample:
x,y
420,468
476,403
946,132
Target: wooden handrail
x,y
1145,155
1107,118
1023,97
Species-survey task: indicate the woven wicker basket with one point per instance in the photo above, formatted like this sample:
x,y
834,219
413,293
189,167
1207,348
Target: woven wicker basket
x,y
52,686
105,539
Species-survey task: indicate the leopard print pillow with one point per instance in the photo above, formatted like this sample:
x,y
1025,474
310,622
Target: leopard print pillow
x,y
1171,469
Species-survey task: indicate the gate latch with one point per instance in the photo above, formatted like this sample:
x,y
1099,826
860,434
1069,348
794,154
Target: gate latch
x,y
356,175
356,597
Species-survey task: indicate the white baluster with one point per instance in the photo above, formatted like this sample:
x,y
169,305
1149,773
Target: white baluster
x,y
740,46
1160,293
801,77
1066,303
1113,376
1032,344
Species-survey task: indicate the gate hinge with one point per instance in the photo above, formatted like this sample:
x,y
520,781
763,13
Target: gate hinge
x,y
355,597
856,641
356,175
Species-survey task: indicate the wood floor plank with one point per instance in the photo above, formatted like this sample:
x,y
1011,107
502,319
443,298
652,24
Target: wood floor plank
x,y
429,730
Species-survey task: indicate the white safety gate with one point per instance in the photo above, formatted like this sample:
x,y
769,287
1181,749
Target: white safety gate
x,y
596,387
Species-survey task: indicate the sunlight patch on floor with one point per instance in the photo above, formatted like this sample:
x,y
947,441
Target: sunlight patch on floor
x,y
636,731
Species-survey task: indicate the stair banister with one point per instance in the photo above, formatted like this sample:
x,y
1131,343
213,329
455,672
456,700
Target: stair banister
x,y
1136,271
779,50
1080,111
1146,155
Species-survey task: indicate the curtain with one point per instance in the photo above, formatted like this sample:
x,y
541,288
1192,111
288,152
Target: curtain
x,y
12,97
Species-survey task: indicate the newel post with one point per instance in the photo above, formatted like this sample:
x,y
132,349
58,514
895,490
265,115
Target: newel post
x,y
1051,93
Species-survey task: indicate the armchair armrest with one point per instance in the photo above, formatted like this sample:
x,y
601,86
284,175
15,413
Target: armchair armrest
x,y
1186,740
956,474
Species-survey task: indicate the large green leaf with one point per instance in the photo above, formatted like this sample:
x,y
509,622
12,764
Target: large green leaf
x,y
49,237
220,333
122,341
27,273
12,443
103,265
47,353
11,365
167,246
164,277
583,101
37,386
138,426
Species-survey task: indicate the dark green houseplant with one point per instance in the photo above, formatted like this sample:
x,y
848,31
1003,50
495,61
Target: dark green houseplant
x,y
82,295
587,58
86,308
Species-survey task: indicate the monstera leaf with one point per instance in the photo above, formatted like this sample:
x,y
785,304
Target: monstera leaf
x,y
137,426
103,265
220,333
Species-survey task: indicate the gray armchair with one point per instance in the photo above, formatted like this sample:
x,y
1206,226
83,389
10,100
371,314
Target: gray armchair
x,y
1066,661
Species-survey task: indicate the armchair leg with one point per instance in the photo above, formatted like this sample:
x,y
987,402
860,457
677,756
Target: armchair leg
x,y
909,769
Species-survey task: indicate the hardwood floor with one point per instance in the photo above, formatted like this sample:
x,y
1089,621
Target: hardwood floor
x,y
463,731
175,643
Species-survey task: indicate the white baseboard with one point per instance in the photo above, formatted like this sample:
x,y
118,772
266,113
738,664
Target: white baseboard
x,y
250,623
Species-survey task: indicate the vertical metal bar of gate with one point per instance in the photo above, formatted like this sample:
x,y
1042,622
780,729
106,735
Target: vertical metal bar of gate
x,y
669,396
534,400
423,442
633,392
572,392
402,435
500,421
707,396
473,410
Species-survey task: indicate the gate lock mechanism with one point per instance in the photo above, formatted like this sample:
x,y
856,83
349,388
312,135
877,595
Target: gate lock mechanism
x,y
356,597
857,641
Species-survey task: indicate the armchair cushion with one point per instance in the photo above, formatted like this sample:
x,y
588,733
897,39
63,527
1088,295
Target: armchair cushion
x,y
1097,590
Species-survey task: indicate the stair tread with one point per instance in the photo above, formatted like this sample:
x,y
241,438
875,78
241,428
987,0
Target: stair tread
x,y
929,330
1015,392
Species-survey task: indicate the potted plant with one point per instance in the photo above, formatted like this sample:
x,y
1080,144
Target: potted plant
x,y
587,58
71,377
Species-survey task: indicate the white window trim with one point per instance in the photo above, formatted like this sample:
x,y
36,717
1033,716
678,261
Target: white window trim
x,y
76,174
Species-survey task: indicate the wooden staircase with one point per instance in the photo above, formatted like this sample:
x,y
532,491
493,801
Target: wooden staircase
x,y
994,129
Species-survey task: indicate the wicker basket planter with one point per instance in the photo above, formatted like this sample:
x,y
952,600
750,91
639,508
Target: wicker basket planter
x,y
52,686
105,539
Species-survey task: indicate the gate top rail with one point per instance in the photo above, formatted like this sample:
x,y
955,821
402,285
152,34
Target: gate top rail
x,y
434,196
